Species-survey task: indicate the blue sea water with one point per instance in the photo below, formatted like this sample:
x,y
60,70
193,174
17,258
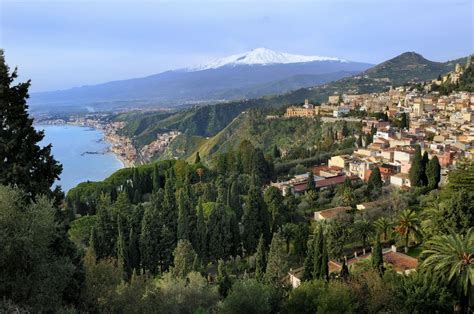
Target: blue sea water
x,y
70,147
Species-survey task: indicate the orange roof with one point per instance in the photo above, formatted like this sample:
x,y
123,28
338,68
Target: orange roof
x,y
400,261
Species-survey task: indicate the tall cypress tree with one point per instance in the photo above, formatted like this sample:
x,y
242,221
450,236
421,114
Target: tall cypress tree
x,y
150,247
122,253
156,178
377,257
255,220
309,260
183,216
22,161
324,267
133,250
318,254
416,170
433,172
424,164
260,260
277,263
375,182
201,233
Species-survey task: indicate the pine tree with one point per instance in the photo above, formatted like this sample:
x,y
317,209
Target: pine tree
x,y
377,257
416,171
433,173
23,162
260,260
277,260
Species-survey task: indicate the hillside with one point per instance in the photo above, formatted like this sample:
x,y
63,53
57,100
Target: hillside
x,y
207,121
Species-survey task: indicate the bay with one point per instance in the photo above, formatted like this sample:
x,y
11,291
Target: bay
x,y
81,152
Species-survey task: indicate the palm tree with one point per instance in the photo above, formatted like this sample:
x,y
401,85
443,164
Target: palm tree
x,y
452,257
363,229
408,224
383,225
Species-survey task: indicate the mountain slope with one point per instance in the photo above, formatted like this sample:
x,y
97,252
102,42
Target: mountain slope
x,y
229,79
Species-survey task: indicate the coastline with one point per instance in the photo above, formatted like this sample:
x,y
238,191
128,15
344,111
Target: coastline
x,y
108,138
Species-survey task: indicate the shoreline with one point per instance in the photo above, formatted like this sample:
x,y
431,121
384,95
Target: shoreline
x,y
125,163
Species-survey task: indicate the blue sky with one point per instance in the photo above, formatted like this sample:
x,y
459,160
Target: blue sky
x,y
61,44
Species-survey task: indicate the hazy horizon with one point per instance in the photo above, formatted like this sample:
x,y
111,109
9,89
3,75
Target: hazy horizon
x,y
73,43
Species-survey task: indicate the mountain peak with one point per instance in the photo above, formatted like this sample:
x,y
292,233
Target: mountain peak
x,y
261,56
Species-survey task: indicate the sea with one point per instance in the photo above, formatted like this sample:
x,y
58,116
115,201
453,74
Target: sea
x,y
83,153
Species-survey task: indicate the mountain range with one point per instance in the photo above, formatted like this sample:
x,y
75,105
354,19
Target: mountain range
x,y
247,75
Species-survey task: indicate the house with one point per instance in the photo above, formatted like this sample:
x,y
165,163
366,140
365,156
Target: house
x,y
400,180
331,213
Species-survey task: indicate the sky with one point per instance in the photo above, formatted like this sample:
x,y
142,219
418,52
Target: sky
x,y
68,43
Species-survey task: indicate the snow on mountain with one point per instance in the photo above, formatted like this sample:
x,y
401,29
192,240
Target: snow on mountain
x,y
261,56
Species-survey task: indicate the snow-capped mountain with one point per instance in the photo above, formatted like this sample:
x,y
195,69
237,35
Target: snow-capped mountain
x,y
261,56
247,75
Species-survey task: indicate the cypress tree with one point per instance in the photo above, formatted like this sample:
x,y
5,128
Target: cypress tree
x,y
183,216
310,185
344,274
197,159
309,260
201,233
150,247
22,161
122,254
217,233
324,268
260,260
183,259
277,260
416,171
233,199
433,172
318,255
156,178
276,152
255,220
424,163
223,279
377,257
133,250
375,180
